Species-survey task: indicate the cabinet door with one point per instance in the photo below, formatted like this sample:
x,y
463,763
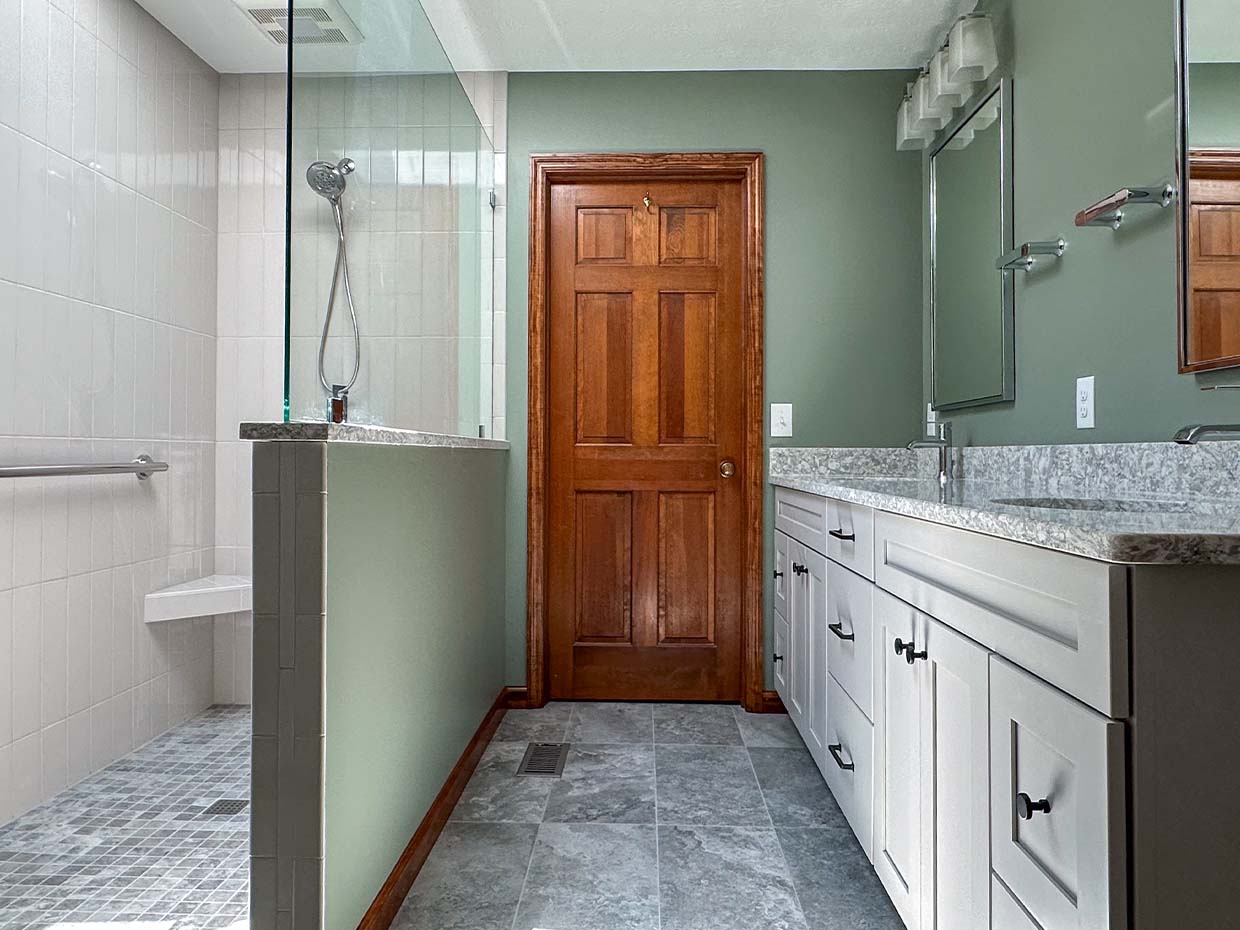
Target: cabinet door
x,y
897,758
798,632
814,588
783,574
779,660
955,780
1057,797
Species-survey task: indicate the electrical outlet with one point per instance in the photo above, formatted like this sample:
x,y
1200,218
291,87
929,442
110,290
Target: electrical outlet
x,y
1085,403
781,420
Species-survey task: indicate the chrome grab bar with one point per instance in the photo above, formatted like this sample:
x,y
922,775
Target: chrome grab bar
x,y
1110,210
143,466
1023,259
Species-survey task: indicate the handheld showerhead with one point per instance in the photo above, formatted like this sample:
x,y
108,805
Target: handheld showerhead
x,y
327,179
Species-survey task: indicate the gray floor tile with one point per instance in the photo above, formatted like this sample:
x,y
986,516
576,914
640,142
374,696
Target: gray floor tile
x,y
604,784
795,792
591,877
725,878
495,794
543,725
707,785
768,730
836,885
696,723
472,879
134,842
611,723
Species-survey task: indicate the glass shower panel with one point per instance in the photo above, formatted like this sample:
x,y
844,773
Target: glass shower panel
x,y
402,162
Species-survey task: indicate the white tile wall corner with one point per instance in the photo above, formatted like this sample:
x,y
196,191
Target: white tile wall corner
x,y
107,349
286,845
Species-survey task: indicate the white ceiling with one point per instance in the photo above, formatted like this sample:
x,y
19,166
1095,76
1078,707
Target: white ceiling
x,y
1213,30
396,37
588,35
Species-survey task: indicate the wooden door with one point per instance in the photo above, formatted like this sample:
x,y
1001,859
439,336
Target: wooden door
x,y
1214,261
897,757
955,780
646,439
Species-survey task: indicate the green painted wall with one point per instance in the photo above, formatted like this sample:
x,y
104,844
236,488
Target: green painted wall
x,y
415,581
843,292
1087,124
1214,104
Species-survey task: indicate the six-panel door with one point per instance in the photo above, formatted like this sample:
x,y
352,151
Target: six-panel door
x,y
646,428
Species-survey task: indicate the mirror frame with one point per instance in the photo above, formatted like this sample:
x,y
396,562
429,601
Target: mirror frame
x,y
1007,392
1184,205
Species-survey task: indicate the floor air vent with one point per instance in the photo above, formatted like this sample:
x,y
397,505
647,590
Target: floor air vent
x,y
544,760
226,807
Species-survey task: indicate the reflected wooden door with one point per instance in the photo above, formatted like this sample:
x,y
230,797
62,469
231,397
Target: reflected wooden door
x,y
646,440
1214,256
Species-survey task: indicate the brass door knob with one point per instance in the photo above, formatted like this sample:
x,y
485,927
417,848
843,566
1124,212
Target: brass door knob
x,y
727,468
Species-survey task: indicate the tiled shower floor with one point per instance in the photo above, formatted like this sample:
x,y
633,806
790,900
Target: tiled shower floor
x,y
131,844
668,817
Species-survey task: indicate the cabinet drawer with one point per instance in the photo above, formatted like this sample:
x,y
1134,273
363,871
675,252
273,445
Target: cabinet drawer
x,y
1006,913
849,766
1061,616
850,634
1066,865
783,573
803,517
850,536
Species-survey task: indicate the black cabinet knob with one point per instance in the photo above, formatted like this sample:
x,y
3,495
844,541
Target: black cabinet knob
x,y
778,573
1026,806
777,658
798,569
908,650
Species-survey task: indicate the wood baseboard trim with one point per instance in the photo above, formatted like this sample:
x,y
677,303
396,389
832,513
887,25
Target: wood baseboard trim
x,y
515,698
770,704
387,902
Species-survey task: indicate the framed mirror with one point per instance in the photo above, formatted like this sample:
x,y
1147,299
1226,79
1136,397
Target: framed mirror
x,y
972,305
1208,59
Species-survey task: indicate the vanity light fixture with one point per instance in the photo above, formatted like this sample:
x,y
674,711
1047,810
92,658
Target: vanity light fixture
x,y
908,137
944,92
971,52
929,114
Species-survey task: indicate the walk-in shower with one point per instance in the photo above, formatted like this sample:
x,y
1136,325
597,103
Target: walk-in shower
x,y
329,180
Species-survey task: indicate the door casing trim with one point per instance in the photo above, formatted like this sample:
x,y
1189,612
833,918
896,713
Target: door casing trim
x,y
546,170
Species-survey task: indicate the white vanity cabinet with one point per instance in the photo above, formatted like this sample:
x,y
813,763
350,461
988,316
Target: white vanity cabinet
x,y
1021,739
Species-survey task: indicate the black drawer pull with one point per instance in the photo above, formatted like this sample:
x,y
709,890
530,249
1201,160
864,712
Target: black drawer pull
x,y
834,749
842,536
838,630
1026,806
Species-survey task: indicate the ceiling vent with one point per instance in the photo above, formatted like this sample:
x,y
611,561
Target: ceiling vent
x,y
323,22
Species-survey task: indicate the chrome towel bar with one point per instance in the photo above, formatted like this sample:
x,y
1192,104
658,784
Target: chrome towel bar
x,y
1023,257
143,466
1110,210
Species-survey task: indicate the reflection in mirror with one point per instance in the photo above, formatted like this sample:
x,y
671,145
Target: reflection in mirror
x,y
1210,327
972,354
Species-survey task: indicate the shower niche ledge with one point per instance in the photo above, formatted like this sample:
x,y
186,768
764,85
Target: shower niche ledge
x,y
202,597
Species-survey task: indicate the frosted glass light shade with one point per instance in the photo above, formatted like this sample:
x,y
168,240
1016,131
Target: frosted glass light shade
x,y
962,139
908,138
941,83
971,52
927,114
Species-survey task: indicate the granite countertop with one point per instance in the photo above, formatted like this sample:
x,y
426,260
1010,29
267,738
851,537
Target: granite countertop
x,y
1167,528
320,431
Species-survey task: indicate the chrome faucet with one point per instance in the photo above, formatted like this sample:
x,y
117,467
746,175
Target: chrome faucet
x,y
944,444
1191,435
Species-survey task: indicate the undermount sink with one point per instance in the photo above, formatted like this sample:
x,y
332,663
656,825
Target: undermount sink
x,y
1107,505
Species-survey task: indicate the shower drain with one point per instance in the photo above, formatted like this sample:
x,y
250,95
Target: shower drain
x,y
226,807
544,760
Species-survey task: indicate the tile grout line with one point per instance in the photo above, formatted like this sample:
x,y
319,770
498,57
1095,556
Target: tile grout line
x,y
796,895
568,726
658,865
